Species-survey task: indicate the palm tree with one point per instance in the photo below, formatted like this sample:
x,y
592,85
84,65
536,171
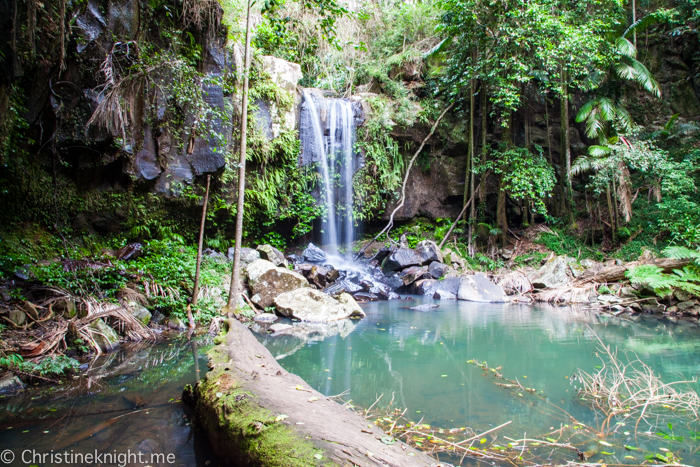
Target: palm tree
x,y
606,116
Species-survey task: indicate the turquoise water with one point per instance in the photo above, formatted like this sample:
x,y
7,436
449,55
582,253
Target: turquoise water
x,y
421,360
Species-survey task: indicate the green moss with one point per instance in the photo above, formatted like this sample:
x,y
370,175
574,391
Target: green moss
x,y
245,429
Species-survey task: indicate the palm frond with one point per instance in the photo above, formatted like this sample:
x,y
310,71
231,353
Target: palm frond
x,y
585,110
659,16
599,151
625,47
624,118
645,79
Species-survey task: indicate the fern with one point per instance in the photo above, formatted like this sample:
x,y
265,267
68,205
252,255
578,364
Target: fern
x,y
652,277
687,279
681,252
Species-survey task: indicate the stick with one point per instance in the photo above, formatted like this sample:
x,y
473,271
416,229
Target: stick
x,y
484,433
405,180
464,209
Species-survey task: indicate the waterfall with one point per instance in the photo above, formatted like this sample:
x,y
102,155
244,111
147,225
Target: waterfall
x,y
327,132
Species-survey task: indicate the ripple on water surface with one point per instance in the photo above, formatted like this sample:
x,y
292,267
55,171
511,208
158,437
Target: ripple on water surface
x,y
128,402
421,359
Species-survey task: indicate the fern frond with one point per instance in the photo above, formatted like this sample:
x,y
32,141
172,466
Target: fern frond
x,y
681,252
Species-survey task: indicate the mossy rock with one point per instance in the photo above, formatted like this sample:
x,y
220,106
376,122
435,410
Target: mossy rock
x,y
257,414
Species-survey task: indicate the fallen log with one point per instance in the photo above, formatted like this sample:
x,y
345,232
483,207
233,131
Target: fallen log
x,y
617,273
256,413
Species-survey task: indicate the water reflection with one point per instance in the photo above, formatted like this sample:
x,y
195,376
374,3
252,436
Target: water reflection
x,y
125,401
421,360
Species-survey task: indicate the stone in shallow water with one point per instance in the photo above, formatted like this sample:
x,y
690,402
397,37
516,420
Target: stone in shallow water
x,y
314,254
478,288
278,328
267,282
10,384
444,295
425,307
315,306
265,317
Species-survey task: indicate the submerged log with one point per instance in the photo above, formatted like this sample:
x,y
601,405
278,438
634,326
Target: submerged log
x,y
257,414
617,273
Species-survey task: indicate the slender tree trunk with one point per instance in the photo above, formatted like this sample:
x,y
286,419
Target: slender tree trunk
x,y
501,218
610,212
195,291
469,178
234,291
615,204
634,20
565,163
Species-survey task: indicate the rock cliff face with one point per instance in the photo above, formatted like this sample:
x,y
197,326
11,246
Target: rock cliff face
x,y
58,82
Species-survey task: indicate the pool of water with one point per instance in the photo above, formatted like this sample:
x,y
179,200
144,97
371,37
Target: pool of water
x,y
421,360
126,404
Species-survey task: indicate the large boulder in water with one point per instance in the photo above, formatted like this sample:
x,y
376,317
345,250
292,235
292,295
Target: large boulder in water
x,y
429,252
478,288
552,274
317,307
273,255
400,259
267,281
314,254
103,335
430,286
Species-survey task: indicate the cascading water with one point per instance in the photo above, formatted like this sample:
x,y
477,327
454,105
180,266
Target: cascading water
x,y
327,133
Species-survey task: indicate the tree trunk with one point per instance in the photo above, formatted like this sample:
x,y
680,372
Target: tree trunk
x,y
195,291
617,273
501,219
469,178
234,292
565,163
610,212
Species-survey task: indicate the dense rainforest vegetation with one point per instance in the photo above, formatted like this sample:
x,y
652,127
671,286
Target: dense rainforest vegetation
x,y
578,116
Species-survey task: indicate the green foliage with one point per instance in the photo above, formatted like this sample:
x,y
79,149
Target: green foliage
x,y
687,279
524,175
377,182
564,243
54,365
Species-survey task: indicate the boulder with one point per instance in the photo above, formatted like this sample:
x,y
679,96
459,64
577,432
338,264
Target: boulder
x,y
265,318
176,324
248,255
382,254
685,305
366,297
552,274
452,258
18,317
410,275
478,288
430,286
437,269
314,254
279,328
682,295
273,255
444,295
314,306
267,281
401,259
424,307
104,336
130,251
576,269
139,312
429,252
10,384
